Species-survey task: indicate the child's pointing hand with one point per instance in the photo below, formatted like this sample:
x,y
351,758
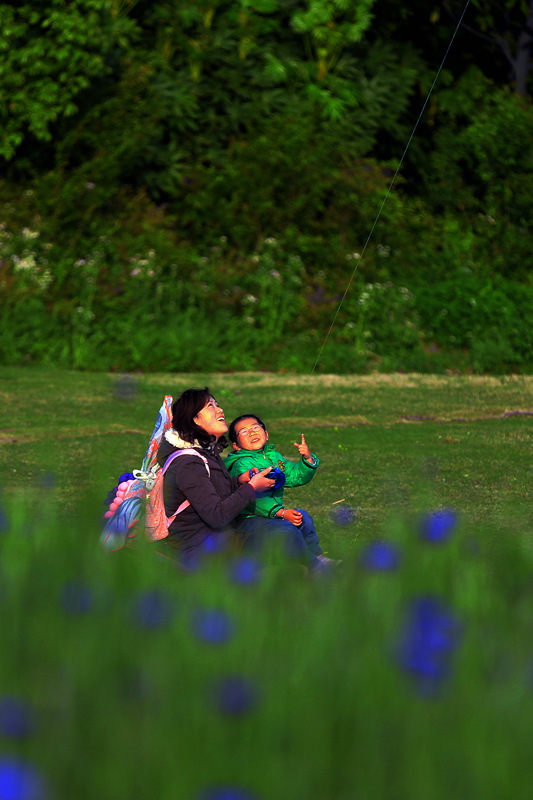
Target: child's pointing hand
x,y
304,449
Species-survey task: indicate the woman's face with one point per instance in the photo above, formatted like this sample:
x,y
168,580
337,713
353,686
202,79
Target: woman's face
x,y
211,419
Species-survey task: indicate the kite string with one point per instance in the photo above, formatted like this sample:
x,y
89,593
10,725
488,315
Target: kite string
x,y
387,193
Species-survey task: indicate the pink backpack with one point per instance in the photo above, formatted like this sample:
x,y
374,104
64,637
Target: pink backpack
x,y
143,490
157,523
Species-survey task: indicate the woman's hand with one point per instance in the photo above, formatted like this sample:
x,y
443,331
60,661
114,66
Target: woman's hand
x,y
245,477
260,481
291,515
303,448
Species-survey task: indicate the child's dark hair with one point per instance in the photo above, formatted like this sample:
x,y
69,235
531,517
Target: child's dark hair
x,y
231,433
184,409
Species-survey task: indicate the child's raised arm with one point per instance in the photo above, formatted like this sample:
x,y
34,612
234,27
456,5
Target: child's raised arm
x,y
304,450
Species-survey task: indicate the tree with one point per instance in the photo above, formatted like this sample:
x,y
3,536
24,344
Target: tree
x,y
509,27
51,52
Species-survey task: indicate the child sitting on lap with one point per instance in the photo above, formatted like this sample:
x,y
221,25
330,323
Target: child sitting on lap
x,y
267,514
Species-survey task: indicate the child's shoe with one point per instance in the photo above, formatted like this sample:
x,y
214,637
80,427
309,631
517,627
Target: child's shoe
x,y
330,562
323,566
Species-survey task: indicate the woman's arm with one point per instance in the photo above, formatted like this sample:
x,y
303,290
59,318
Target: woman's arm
x,y
193,481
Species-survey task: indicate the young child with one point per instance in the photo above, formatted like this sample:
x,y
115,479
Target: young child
x,y
268,514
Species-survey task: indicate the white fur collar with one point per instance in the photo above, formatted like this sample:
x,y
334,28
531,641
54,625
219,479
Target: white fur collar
x,y
175,439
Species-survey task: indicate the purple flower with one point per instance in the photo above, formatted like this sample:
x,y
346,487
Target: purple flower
x,y
344,515
4,520
226,793
213,626
245,570
15,718
427,644
377,556
190,562
214,542
437,526
234,695
125,386
19,780
47,480
76,598
153,609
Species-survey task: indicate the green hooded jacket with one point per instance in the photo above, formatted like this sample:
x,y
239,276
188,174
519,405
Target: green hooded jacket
x,y
296,474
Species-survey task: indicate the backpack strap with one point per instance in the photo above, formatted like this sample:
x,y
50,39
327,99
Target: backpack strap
x,y
166,465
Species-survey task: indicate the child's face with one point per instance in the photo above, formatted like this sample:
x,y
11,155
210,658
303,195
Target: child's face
x,y
250,435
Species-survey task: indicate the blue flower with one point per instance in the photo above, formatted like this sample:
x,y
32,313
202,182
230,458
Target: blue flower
x,y
15,718
19,781
214,542
245,570
213,626
234,695
427,644
226,793
378,556
76,598
437,526
112,493
153,609
344,515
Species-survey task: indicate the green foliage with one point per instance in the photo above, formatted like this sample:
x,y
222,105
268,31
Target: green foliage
x,y
490,317
499,141
129,302
202,92
482,174
156,149
377,326
51,53
329,26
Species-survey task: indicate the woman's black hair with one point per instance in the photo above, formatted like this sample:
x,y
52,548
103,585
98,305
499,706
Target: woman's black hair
x,y
231,433
185,409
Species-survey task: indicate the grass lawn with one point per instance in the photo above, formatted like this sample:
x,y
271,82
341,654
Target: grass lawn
x,y
386,442
406,677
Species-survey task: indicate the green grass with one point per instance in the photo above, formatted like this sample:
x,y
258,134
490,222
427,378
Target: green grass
x,y
386,442
122,709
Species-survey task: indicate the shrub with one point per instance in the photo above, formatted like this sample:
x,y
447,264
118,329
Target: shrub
x,y
491,318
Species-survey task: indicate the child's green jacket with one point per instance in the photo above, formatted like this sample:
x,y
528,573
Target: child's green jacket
x,y
296,474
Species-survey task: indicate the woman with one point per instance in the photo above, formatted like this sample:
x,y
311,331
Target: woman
x,y
215,497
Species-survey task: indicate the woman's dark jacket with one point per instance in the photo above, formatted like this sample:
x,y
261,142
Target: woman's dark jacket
x,y
215,499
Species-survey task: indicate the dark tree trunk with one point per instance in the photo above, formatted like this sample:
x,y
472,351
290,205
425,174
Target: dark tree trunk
x,y
522,60
518,49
